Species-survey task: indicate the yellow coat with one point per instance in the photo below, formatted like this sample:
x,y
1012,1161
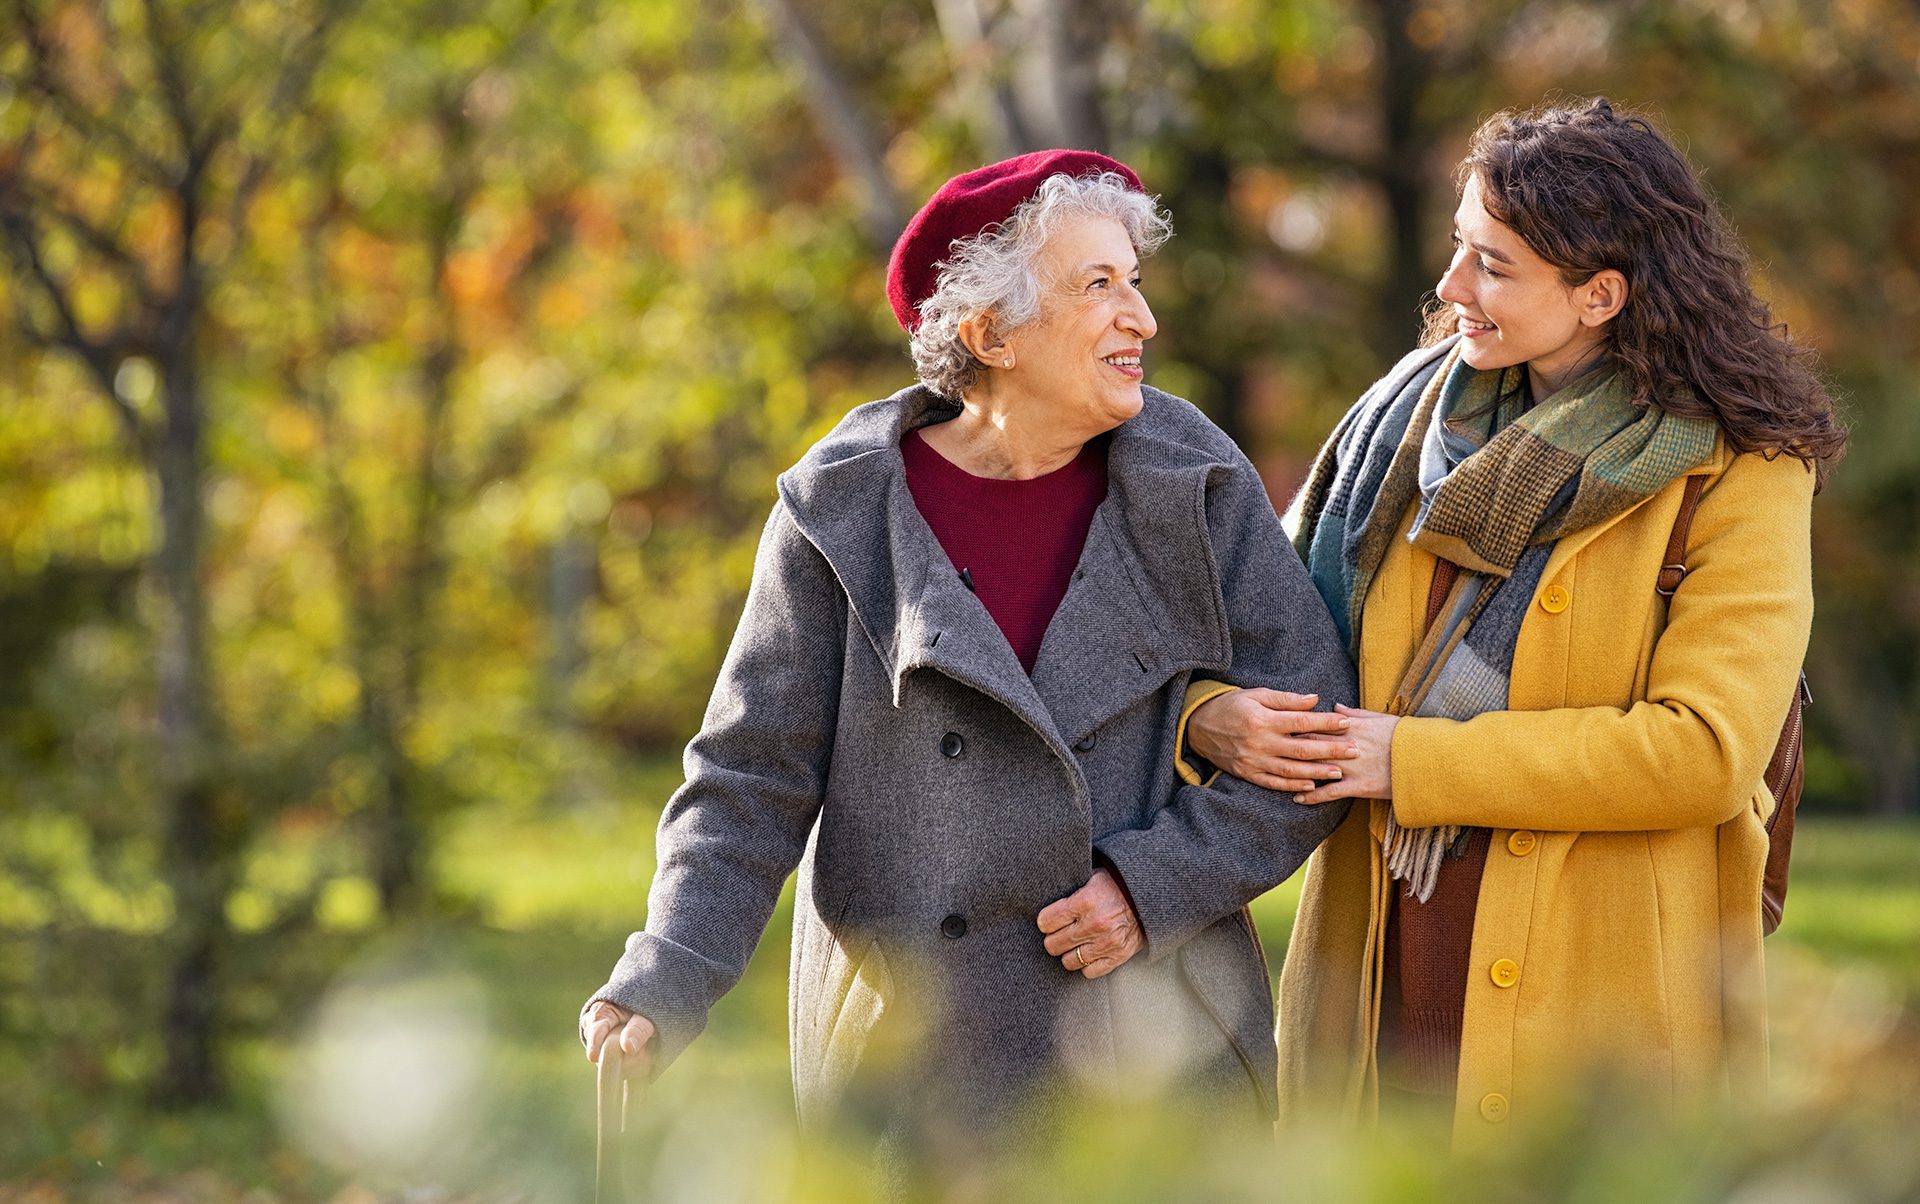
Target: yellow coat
x,y
1624,793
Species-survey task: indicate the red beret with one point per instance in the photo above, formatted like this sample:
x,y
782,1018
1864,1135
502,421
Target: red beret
x,y
965,206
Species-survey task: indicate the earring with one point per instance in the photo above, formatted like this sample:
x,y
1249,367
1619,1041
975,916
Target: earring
x,y
1007,363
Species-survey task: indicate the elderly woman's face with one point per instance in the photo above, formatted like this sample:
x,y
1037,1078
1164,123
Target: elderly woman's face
x,y
1083,350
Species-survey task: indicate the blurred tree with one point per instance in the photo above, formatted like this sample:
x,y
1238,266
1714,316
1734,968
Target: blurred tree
x,y
125,194
841,120
464,234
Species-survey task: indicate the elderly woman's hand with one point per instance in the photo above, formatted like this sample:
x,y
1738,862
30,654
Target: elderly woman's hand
x,y
632,1030
1271,738
1094,930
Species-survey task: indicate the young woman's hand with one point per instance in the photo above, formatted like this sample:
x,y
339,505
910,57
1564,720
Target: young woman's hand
x,y
1368,773
1271,738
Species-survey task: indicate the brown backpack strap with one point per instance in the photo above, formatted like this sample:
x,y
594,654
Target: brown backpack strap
x,y
1673,568
1786,777
1443,574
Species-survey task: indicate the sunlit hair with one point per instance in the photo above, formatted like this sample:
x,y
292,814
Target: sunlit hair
x,y
1587,188
995,272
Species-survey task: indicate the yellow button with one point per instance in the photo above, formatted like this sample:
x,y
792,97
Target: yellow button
x,y
1505,972
1521,843
1493,1106
1554,599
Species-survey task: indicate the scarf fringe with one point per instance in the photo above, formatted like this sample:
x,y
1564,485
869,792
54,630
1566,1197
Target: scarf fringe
x,y
1414,855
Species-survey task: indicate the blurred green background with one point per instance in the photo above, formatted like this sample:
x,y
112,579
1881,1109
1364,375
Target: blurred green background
x,y
390,397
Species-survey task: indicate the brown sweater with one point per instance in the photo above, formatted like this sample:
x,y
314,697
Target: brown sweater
x,y
1424,991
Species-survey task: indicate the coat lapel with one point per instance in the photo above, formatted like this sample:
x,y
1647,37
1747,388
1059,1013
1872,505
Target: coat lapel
x,y
940,624
849,497
1144,602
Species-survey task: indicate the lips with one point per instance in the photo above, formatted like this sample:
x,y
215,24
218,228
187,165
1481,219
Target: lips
x,y
1127,363
1473,328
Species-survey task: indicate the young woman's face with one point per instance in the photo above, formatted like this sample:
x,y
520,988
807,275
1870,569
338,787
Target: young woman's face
x,y
1510,304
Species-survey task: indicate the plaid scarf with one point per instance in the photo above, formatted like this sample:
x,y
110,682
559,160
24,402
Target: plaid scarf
x,y
1496,483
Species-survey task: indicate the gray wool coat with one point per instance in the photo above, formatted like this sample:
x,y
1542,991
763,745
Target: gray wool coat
x,y
873,728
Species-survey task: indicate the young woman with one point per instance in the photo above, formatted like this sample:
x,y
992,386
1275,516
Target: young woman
x,y
1558,878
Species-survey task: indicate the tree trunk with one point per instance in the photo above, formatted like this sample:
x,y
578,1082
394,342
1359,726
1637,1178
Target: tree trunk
x,y
1204,172
1404,73
398,840
963,29
1849,661
1063,62
199,853
856,145
397,852
571,566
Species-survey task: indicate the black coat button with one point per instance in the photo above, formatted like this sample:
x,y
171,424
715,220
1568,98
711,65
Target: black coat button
x,y
1087,742
954,927
951,744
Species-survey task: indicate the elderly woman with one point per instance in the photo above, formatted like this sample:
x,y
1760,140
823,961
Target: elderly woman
x,y
952,700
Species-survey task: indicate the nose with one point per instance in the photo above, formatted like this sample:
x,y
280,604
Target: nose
x,y
1137,318
1453,282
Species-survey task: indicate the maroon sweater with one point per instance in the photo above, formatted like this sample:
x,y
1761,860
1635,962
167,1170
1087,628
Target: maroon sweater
x,y
1014,542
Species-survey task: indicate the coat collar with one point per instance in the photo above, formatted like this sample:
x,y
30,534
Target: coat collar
x,y
1144,601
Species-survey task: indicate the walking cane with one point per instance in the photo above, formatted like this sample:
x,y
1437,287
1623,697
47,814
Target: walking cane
x,y
609,1179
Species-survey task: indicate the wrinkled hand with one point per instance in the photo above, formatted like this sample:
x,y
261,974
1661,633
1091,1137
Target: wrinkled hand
x,y
1369,773
632,1030
1094,930
1272,739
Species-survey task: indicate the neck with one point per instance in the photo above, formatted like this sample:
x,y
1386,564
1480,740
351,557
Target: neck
x,y
1005,438
1544,379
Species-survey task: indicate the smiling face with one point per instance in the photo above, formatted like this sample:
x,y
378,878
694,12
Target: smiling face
x,y
1512,306
1080,357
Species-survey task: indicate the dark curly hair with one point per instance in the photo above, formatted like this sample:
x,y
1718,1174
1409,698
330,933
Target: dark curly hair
x,y
1590,188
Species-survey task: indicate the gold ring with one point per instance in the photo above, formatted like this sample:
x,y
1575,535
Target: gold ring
x,y
1080,954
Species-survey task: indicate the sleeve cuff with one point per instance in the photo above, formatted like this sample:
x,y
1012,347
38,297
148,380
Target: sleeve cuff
x,y
1159,929
1193,769
1415,770
670,985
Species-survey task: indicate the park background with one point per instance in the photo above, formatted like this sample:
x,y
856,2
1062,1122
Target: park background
x,y
390,398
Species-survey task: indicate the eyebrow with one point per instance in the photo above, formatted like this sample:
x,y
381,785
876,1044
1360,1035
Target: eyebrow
x,y
1486,250
1108,268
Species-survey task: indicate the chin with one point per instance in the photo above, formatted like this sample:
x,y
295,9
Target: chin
x,y
1484,359
1113,412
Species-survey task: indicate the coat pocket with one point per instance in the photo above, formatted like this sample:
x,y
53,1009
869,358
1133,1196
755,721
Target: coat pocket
x,y
853,996
1226,969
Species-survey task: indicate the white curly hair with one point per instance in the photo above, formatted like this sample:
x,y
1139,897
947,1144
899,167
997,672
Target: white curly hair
x,y
994,272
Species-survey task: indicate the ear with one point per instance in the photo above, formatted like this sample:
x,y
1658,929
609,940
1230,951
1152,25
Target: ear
x,y
978,335
1601,298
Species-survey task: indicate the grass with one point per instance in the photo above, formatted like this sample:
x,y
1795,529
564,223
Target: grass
x,y
1854,897
439,1062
